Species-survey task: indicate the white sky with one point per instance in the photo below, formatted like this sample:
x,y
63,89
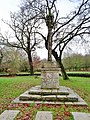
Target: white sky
x,y
12,5
6,6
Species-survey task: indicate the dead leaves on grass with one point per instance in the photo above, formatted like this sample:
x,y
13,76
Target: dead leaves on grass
x,y
28,111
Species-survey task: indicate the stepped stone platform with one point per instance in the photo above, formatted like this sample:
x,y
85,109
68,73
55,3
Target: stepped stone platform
x,y
63,95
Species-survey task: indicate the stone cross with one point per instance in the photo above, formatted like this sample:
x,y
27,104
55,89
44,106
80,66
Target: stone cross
x,y
50,72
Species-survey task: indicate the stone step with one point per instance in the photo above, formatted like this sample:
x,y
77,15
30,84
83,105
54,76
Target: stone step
x,y
38,91
60,98
44,115
71,99
9,114
27,97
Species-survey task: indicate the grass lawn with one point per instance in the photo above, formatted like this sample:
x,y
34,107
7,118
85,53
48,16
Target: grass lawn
x,y
12,87
79,72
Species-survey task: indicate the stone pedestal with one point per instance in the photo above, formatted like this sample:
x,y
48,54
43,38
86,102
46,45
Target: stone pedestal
x,y
50,76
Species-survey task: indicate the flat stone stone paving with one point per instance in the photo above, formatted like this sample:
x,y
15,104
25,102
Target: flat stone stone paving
x,y
43,115
81,116
9,114
63,95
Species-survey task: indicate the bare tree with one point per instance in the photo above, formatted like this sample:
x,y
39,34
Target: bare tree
x,y
24,25
60,31
75,26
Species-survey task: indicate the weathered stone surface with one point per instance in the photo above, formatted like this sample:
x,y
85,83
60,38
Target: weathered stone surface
x,y
54,92
9,114
50,75
72,97
24,97
30,97
43,115
63,91
62,98
50,79
46,92
49,96
39,92
50,64
80,103
81,116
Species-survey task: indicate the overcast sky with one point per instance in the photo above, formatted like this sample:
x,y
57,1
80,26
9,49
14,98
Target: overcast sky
x,y
12,5
6,6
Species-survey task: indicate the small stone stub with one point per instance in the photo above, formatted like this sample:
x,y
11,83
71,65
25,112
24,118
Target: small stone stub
x,y
81,116
9,114
43,115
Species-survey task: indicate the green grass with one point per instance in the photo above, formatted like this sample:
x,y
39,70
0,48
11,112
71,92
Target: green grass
x,y
79,72
80,85
12,87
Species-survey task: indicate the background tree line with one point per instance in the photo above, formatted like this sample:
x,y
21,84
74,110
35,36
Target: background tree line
x,y
13,60
77,62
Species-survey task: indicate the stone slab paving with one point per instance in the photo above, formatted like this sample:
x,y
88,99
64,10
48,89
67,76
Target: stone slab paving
x,y
81,116
9,114
47,96
44,115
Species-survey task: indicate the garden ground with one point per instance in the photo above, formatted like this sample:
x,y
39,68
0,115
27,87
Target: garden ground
x,y
12,87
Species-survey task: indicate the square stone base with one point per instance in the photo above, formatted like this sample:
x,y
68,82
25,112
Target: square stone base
x,y
50,78
50,75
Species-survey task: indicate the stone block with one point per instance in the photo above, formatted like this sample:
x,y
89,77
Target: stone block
x,y
50,75
43,115
9,114
50,79
36,92
63,90
28,97
50,64
81,116
61,98
72,98
24,97
49,98
54,92
80,103
46,92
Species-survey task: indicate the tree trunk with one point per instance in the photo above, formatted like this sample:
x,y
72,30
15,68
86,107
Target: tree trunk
x,y
63,72
30,63
58,59
1,57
